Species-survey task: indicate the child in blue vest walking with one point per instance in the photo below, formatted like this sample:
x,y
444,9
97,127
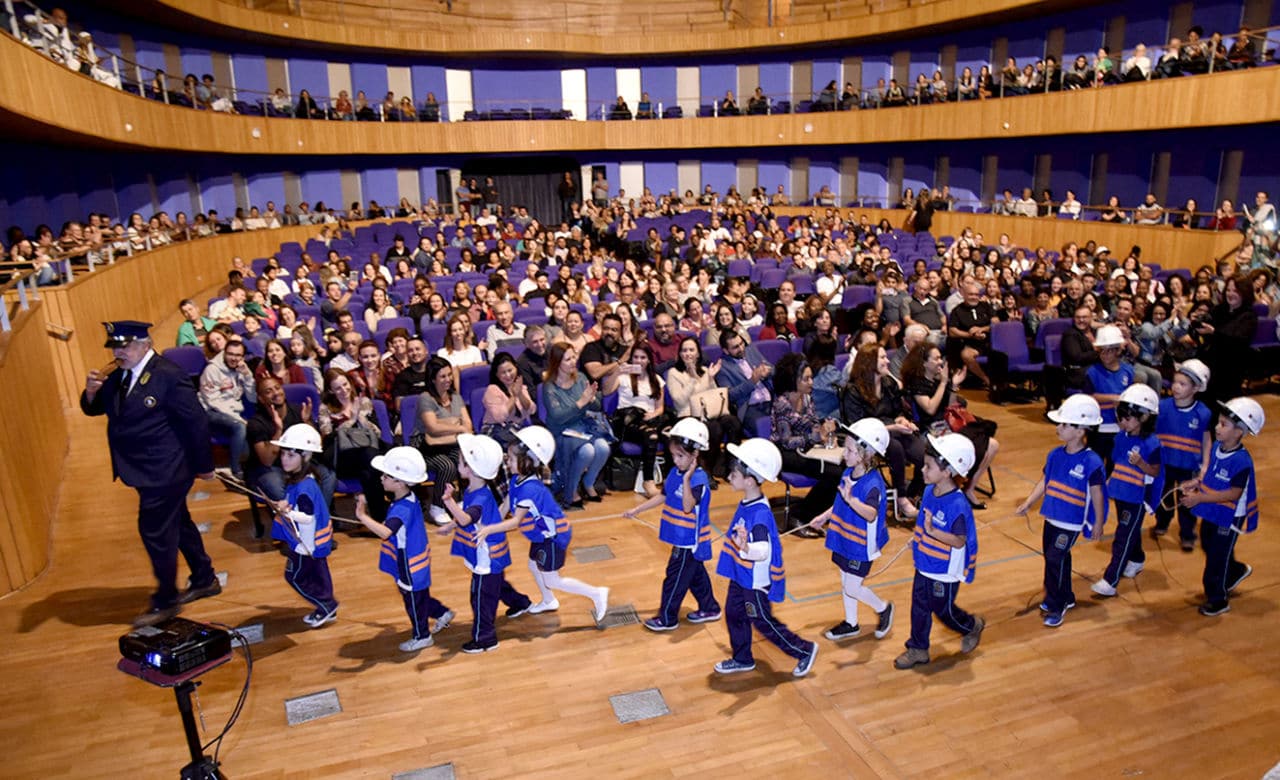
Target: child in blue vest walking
x,y
945,549
858,532
1135,484
686,526
1226,500
1074,500
480,539
1107,379
302,524
406,550
751,559
540,518
1186,439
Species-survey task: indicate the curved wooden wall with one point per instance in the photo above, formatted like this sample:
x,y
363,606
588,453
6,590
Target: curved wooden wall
x,y
36,91
462,35
1170,247
33,440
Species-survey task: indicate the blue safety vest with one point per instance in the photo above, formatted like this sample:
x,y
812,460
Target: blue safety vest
x,y
687,529
1223,469
767,575
849,535
938,560
493,552
406,554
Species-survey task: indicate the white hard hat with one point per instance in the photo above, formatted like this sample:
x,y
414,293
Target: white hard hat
x,y
760,457
403,463
1141,396
871,432
1080,409
481,453
691,430
1108,336
300,437
955,452
539,442
1196,371
1247,413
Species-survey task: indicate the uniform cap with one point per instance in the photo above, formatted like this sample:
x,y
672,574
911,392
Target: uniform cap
x,y
121,333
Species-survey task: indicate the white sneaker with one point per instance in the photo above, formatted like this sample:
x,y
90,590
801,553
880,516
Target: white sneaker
x,y
544,606
1132,568
414,645
602,603
443,622
438,515
1103,588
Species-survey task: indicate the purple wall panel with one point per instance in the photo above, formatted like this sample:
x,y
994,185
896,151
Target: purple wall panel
x,y
824,72
323,185
715,80
492,89
313,76
602,89
660,82
660,177
775,80
370,77
720,174
264,187
198,61
380,184
251,74
771,173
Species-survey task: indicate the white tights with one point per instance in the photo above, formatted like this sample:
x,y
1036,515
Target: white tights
x,y
549,580
853,591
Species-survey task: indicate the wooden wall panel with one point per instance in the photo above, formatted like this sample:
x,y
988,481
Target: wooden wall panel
x,y
33,440
36,90
1168,246
483,36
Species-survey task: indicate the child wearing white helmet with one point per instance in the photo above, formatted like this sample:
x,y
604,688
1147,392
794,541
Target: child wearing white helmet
x,y
751,559
302,524
1135,485
1075,500
1226,499
945,550
480,541
1106,380
535,512
686,526
406,550
1186,438
858,531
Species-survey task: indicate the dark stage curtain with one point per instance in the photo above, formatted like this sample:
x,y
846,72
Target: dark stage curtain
x,y
530,181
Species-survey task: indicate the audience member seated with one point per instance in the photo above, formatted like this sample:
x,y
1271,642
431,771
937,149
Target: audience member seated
x,y
442,415
797,428
620,110
872,391
932,389
272,416
641,416
583,435
350,436
508,402
225,384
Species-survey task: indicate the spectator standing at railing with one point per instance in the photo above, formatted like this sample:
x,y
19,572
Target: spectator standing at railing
x,y
1170,63
826,100
1224,218
1195,54
1025,206
966,87
1070,206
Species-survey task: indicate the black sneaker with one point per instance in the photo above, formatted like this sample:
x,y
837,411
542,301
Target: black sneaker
x,y
477,647
515,612
884,622
1244,575
1214,608
1188,545
842,630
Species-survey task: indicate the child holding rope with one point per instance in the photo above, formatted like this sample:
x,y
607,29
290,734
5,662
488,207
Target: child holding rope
x,y
1135,482
1185,441
302,524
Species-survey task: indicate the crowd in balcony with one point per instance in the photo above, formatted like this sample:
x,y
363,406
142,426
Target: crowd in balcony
x,y
1190,55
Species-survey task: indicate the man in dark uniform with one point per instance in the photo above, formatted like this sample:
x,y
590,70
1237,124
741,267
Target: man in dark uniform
x,y
159,439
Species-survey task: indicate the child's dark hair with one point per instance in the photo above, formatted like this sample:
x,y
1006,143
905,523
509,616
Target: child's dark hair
x,y
308,468
526,464
676,441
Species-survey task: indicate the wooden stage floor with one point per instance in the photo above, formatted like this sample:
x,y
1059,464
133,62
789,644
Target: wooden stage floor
x,y
1140,685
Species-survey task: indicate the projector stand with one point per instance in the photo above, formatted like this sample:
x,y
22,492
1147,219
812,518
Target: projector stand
x,y
202,767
